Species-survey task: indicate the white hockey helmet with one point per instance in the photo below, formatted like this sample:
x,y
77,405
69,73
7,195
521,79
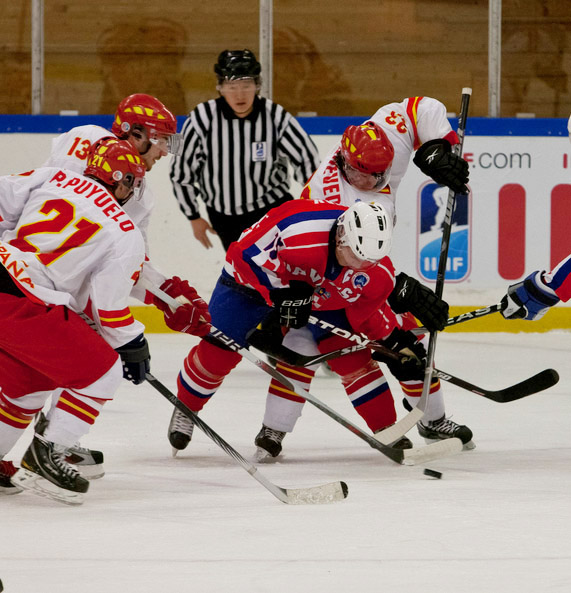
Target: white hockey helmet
x,y
367,229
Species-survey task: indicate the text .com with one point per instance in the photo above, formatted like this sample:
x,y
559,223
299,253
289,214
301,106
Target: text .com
x,y
499,160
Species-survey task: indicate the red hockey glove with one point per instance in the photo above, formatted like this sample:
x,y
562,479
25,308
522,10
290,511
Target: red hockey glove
x,y
192,317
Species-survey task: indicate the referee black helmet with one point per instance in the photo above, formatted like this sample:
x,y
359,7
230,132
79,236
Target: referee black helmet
x,y
233,65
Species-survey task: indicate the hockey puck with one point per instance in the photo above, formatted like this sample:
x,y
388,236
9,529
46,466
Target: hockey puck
x,y
431,473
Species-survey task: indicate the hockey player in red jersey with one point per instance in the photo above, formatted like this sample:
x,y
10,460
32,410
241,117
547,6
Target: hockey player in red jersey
x,y
69,253
369,164
303,257
150,128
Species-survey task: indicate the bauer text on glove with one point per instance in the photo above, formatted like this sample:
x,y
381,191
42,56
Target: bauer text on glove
x,y
293,303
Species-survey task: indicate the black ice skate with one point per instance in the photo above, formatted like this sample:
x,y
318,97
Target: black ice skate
x,y
444,428
180,431
401,443
89,462
7,470
45,472
269,444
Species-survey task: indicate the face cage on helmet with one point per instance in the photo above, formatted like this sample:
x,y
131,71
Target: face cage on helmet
x,y
354,175
136,185
171,143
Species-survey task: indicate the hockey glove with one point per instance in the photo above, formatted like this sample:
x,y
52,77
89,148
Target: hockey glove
x,y
192,317
528,299
136,359
410,295
411,366
436,159
293,303
268,335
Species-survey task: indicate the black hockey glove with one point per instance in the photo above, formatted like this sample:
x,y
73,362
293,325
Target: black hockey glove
x,y
267,336
436,159
411,366
410,295
136,358
293,303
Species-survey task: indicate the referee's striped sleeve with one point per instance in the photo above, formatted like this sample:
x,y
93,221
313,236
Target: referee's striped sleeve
x,y
299,148
185,169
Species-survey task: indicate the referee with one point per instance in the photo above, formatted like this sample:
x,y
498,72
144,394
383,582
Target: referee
x,y
235,153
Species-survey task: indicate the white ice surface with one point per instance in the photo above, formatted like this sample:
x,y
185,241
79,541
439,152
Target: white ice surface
x,y
498,521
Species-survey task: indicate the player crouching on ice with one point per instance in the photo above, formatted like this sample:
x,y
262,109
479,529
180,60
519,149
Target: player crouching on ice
x,y
304,257
70,257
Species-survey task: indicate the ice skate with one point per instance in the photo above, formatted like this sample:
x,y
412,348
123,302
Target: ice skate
x,y
444,428
45,472
402,442
268,444
180,431
89,462
7,470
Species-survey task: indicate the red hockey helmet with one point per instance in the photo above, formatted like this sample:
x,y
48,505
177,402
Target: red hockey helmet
x,y
367,150
147,113
116,162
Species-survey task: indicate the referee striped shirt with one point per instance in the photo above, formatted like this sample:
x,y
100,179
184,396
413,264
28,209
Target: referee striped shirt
x,y
239,165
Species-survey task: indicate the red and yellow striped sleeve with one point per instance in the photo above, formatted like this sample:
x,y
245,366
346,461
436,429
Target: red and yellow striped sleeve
x,y
118,318
412,112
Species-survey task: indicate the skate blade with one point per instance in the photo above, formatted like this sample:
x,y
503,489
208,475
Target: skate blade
x,y
262,456
34,483
90,472
9,491
466,447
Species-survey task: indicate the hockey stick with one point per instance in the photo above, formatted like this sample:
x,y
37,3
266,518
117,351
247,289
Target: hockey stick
x,y
539,382
325,493
443,258
380,441
463,317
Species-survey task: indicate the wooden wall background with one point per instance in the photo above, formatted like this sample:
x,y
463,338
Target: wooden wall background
x,y
331,57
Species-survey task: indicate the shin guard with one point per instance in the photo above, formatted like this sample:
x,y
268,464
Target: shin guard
x,y
203,371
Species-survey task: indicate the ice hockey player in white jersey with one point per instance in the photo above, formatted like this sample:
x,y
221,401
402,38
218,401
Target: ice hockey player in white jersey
x,y
68,252
150,128
369,164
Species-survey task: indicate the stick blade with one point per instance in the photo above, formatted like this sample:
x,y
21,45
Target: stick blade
x,y
433,451
324,494
540,382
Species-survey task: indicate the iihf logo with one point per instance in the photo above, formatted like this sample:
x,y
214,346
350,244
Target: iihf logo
x,y
360,280
258,151
431,214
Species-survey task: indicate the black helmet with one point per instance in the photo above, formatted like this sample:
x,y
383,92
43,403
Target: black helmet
x,y
233,65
